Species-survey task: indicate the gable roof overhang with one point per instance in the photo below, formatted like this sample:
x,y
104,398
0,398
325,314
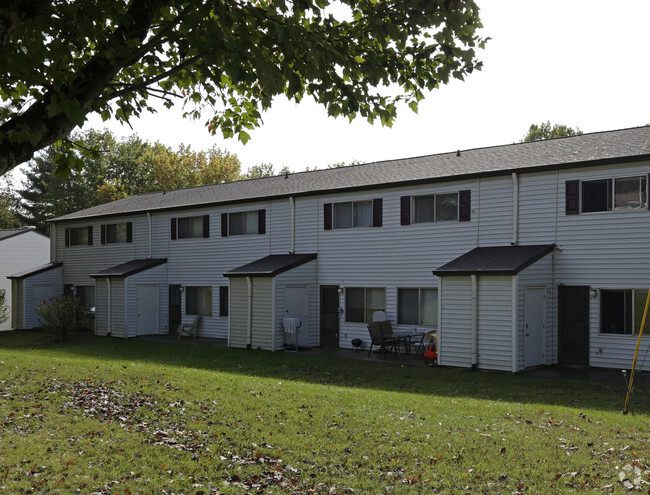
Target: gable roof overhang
x,y
129,268
271,265
35,271
495,260
9,233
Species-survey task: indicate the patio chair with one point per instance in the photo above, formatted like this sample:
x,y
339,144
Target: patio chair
x,y
377,337
188,328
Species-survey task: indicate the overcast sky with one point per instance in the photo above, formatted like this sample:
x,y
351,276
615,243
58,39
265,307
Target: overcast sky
x,y
582,63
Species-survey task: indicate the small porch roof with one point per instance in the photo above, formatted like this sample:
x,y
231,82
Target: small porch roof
x,y
271,265
495,260
129,268
35,271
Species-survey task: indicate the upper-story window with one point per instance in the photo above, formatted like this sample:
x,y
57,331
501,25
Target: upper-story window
x,y
79,236
348,214
243,223
117,233
618,193
190,227
436,207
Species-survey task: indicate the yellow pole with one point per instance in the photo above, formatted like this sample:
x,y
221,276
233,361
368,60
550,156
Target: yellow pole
x,y
636,353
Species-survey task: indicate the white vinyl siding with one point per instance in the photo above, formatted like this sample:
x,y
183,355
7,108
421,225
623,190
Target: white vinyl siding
x,y
18,254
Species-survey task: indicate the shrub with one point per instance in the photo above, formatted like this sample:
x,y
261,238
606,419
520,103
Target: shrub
x,y
61,315
4,312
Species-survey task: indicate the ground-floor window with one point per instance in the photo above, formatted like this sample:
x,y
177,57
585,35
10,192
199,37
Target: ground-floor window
x,y
621,311
417,306
198,301
361,303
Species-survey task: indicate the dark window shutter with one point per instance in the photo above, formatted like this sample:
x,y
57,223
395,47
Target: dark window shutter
x,y
206,226
327,216
572,197
224,225
103,234
223,300
90,235
129,231
67,237
173,229
464,205
609,195
647,196
261,222
405,210
377,212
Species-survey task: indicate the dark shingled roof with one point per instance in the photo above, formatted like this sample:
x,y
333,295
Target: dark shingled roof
x,y
498,260
587,149
7,233
129,268
36,271
271,265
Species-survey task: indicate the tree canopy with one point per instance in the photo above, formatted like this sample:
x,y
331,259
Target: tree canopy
x,y
112,170
225,61
547,131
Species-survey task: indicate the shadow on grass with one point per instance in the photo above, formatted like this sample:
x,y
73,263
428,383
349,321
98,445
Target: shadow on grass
x,y
387,375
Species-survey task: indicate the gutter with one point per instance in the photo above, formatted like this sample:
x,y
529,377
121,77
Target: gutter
x,y
474,322
249,314
515,209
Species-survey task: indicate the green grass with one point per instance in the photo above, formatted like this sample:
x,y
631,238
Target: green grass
x,y
104,415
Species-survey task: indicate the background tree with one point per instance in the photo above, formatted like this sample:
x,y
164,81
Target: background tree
x,y
546,131
62,59
9,206
264,170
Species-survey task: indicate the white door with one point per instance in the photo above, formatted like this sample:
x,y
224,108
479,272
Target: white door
x,y
295,306
40,293
147,310
534,325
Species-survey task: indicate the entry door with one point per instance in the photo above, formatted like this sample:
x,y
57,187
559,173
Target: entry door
x,y
534,325
329,316
573,323
40,293
174,308
147,310
295,306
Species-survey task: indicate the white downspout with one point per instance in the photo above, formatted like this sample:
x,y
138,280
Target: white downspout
x,y
292,205
515,209
53,242
249,315
110,320
474,322
150,229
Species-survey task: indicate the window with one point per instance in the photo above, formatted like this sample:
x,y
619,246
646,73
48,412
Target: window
x,y
115,233
417,307
361,303
190,227
198,301
349,214
353,214
621,311
243,223
79,236
85,293
223,300
619,193
435,208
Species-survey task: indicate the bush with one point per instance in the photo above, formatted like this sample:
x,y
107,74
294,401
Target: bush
x,y
61,315
4,312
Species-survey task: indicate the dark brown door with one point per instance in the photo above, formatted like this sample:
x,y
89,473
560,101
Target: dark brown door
x,y
329,316
573,318
174,308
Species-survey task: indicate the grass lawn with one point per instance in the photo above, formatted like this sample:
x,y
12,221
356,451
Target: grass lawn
x,y
98,415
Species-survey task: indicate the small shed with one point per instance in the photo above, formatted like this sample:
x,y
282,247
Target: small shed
x,y
264,292
130,298
29,289
496,308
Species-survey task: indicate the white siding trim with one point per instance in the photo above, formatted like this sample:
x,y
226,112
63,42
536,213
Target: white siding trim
x,y
515,299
